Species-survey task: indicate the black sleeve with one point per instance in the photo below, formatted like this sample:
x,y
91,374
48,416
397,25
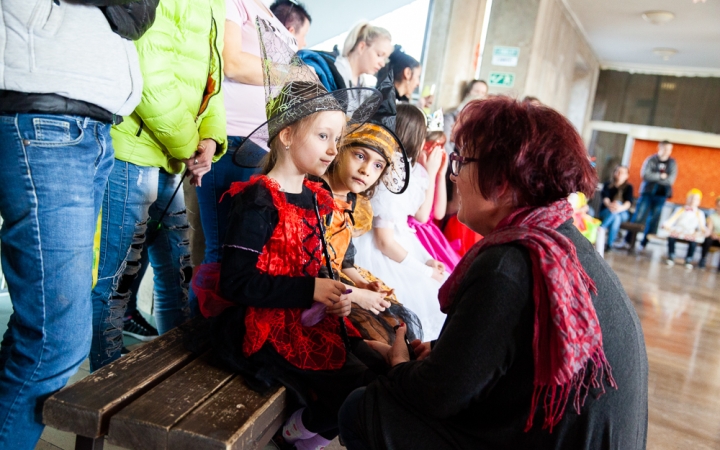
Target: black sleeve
x,y
349,260
250,226
132,20
483,332
628,194
606,191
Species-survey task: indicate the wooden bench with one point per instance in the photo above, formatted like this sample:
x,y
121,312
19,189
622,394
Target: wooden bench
x,y
162,396
633,229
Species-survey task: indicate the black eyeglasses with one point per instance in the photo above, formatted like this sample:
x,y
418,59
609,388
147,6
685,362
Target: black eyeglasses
x,y
457,161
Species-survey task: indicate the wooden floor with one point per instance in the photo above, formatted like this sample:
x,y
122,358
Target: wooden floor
x,y
680,314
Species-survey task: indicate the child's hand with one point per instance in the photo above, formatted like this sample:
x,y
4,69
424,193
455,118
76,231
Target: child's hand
x,y
328,292
342,307
434,161
372,301
438,269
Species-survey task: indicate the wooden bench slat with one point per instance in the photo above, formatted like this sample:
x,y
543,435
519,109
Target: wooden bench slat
x,y
145,423
85,407
235,417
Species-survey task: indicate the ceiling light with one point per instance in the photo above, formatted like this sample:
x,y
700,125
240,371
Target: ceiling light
x,y
658,17
665,53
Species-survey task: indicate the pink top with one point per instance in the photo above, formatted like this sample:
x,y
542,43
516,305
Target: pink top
x,y
245,103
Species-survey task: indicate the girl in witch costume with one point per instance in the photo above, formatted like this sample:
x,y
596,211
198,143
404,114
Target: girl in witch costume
x,y
391,250
273,254
370,154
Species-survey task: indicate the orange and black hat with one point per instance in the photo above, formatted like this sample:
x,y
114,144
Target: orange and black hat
x,y
378,134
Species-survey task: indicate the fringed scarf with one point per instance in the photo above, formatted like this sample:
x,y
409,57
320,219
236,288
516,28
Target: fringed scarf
x,y
567,340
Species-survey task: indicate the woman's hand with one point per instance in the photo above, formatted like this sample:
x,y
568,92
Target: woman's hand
x,y
421,349
395,354
200,163
372,301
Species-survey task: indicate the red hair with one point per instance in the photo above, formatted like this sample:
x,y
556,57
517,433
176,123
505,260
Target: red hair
x,y
533,150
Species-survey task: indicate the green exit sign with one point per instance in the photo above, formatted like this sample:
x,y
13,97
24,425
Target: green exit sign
x,y
502,79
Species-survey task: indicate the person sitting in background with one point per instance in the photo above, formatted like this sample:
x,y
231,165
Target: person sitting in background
x,y
713,234
295,17
617,198
686,224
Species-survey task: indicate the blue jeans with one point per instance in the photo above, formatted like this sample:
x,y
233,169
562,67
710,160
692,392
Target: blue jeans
x,y
134,201
53,172
213,212
649,208
690,251
611,222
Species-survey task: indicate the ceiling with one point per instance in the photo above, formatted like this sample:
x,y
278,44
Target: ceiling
x,y
622,39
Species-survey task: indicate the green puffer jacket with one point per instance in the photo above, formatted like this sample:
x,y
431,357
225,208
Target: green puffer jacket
x,y
180,60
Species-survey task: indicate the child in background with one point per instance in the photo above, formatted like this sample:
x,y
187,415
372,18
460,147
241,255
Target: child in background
x,y
686,224
369,154
273,254
713,234
391,250
587,224
435,204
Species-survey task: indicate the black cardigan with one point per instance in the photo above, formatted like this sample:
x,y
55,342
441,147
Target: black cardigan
x,y
474,389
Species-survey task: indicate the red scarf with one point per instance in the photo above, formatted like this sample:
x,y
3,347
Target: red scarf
x,y
566,330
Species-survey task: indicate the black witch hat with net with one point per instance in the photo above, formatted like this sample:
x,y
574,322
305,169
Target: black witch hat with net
x,y
292,92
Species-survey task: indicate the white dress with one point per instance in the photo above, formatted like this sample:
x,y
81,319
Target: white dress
x,y
414,288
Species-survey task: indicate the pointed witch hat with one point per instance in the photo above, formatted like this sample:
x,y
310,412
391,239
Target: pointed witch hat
x,y
292,92
378,134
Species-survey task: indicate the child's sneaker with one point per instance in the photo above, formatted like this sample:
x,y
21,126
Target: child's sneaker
x,y
670,261
136,326
701,264
688,264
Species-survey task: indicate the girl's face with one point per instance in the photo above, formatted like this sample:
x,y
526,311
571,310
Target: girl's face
x,y
620,175
359,168
313,152
373,57
694,200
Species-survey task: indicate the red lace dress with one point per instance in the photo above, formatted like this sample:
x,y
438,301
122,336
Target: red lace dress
x,y
280,231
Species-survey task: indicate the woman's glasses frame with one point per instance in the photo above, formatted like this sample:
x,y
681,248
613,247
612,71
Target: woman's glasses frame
x,y
457,161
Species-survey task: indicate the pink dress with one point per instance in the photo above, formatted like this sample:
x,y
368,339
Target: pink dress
x,y
431,237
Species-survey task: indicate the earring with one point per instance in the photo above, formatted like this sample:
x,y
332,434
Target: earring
x,y
287,147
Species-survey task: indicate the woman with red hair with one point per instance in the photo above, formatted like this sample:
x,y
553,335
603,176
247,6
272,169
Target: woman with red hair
x,y
541,347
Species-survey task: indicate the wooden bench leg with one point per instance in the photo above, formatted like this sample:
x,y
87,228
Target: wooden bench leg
x,y
86,443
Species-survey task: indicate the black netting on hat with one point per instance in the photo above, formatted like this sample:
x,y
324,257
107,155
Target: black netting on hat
x,y
397,176
293,91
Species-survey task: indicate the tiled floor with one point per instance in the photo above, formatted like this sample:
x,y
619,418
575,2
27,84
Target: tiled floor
x,y
680,314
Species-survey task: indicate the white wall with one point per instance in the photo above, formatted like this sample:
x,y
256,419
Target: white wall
x,y
332,17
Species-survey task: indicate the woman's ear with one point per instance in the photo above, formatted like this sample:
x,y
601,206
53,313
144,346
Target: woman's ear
x,y
407,74
361,46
